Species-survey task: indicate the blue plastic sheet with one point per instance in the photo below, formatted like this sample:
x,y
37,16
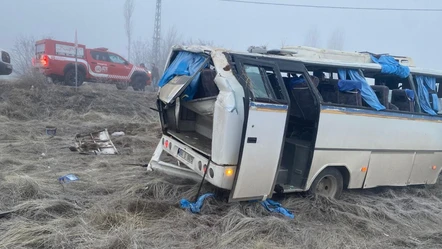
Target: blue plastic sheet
x,y
185,63
391,66
67,178
367,92
275,207
410,94
194,207
349,85
431,83
424,84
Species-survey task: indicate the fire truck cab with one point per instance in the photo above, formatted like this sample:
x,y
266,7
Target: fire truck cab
x,y
56,60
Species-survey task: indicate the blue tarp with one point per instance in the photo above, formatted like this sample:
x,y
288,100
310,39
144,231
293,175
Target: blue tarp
x,y
185,63
424,85
367,92
349,85
391,66
431,83
194,207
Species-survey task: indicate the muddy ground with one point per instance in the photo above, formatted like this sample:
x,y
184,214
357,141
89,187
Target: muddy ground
x,y
113,205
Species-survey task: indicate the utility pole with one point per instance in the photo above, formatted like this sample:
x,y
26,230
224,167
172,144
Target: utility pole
x,y
76,56
157,33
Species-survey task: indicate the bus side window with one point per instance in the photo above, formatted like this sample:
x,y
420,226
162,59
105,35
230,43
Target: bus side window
x,y
263,83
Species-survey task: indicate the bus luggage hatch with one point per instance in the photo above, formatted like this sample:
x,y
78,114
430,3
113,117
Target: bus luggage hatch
x,y
263,132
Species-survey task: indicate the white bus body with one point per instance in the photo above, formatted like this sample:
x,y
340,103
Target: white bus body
x,y
295,140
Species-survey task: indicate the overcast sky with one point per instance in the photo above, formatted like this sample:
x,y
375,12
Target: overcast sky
x,y
100,23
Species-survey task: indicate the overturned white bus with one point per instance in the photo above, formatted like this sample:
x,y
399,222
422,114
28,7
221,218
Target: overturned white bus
x,y
278,121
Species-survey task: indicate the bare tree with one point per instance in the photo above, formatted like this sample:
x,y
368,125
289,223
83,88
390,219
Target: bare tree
x,y
171,38
129,7
312,38
201,42
22,54
141,52
336,40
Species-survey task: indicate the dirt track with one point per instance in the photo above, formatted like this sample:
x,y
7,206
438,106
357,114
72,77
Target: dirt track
x,y
119,206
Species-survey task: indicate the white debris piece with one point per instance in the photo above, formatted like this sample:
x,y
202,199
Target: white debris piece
x,y
118,134
98,143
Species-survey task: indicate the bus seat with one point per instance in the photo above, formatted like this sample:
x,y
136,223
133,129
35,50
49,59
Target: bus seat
x,y
400,98
392,107
207,87
350,98
330,93
303,98
382,94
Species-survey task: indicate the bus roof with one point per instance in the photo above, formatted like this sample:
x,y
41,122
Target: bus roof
x,y
333,58
426,71
339,55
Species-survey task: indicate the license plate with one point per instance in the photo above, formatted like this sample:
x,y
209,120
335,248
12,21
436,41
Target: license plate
x,y
9,66
185,156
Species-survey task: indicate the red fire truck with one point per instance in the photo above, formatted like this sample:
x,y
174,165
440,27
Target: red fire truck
x,y
56,60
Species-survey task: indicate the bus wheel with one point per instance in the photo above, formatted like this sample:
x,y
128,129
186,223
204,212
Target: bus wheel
x,y
329,183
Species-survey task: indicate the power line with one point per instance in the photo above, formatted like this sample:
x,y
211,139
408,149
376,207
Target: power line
x,y
331,7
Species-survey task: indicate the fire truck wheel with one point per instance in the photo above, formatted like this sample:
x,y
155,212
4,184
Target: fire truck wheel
x,y
69,77
122,86
138,84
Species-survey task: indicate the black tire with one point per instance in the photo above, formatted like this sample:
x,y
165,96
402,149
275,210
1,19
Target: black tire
x,y
138,83
122,85
329,183
69,77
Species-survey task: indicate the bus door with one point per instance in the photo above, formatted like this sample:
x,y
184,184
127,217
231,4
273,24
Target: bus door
x,y
265,117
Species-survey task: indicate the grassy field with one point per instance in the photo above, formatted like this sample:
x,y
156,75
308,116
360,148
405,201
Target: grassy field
x,y
113,205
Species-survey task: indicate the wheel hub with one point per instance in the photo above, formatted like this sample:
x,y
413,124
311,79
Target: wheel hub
x,y
327,186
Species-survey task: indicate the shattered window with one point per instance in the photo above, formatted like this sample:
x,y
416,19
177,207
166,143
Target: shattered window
x,y
257,86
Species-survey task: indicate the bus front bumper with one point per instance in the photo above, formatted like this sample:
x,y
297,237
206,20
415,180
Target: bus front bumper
x,y
190,164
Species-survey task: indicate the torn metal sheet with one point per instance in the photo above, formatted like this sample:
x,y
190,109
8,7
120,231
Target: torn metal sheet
x,y
97,143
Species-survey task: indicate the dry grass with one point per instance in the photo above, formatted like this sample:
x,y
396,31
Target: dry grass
x,y
117,206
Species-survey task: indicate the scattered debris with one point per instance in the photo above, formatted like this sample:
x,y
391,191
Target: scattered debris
x,y
68,178
51,131
118,134
97,143
194,207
